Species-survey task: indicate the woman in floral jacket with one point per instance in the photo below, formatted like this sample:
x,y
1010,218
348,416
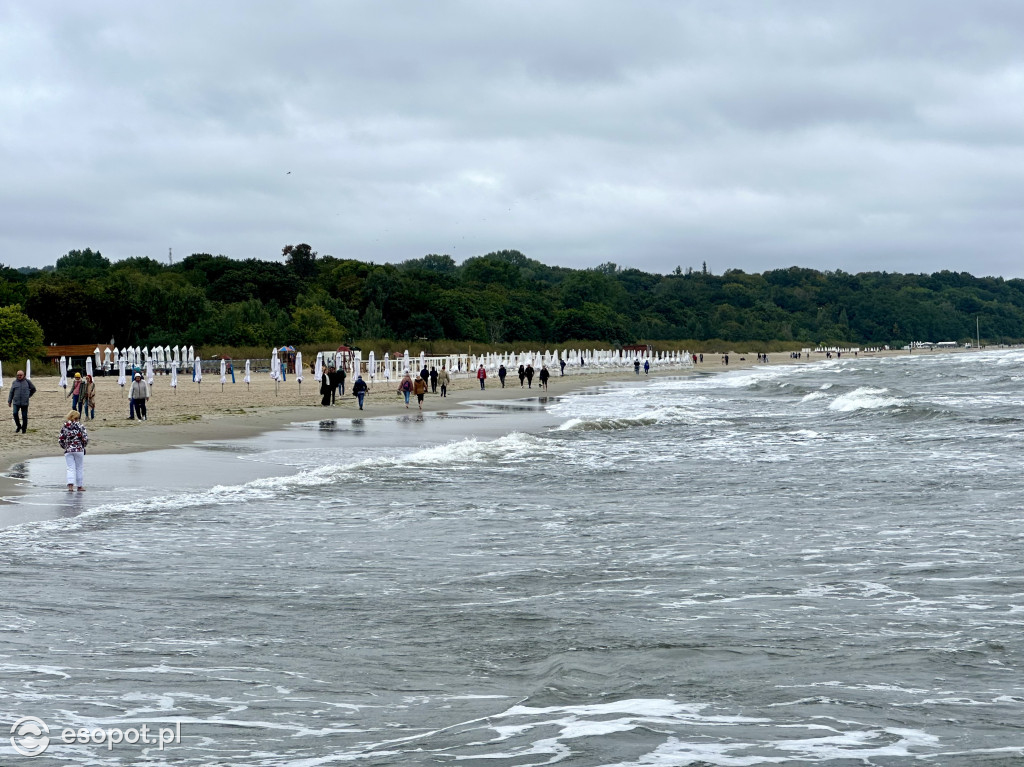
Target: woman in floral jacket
x,y
73,438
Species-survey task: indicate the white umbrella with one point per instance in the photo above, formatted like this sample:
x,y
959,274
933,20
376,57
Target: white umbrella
x,y
174,376
275,365
387,366
298,368
223,373
28,368
197,371
149,371
373,366
63,373
405,360
191,353
96,354
145,354
247,372
175,355
106,357
88,366
423,360
318,373
120,370
1,375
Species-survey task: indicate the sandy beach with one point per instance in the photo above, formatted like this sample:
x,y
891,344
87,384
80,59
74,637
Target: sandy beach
x,y
209,411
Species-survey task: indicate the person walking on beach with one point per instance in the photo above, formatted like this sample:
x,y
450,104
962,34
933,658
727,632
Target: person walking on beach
x,y
444,378
75,393
359,388
405,387
544,376
561,364
21,391
332,379
647,367
522,375
341,380
502,372
419,386
73,438
425,374
87,399
139,395
433,380
636,366
481,375
529,376
326,390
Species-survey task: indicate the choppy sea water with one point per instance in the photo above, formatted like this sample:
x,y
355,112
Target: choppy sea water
x,y
816,564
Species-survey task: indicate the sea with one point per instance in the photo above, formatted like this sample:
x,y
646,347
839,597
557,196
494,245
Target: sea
x,y
816,563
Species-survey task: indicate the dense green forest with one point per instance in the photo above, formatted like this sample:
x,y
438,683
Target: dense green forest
x,y
498,298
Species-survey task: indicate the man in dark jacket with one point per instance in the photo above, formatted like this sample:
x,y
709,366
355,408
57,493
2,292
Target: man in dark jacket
x,y
17,398
433,380
334,377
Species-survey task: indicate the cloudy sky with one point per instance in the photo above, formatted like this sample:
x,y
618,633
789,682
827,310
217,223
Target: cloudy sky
x,y
751,135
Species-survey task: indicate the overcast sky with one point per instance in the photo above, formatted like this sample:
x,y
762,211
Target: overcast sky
x,y
754,135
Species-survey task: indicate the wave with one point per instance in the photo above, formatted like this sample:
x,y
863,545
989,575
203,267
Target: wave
x,y
865,398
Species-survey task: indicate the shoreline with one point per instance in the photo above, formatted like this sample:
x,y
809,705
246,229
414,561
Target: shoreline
x,y
189,416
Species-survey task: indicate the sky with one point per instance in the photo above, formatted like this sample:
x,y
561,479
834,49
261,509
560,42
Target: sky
x,y
754,135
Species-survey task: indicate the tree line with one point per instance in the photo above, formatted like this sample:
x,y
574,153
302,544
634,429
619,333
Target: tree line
x,y
498,298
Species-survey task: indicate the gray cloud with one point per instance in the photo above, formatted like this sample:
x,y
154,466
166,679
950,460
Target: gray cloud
x,y
654,134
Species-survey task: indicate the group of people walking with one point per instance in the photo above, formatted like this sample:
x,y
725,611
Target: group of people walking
x,y
526,374
431,380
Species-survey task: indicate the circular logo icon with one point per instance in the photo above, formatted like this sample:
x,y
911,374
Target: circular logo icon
x,y
30,736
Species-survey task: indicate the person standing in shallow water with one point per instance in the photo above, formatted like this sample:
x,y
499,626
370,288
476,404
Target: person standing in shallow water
x,y
73,438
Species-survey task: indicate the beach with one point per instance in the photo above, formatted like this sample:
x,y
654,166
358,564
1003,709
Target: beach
x,y
211,411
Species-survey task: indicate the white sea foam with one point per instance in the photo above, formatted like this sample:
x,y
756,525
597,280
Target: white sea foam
x,y
864,398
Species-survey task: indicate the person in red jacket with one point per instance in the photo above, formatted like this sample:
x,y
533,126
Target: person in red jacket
x,y
481,376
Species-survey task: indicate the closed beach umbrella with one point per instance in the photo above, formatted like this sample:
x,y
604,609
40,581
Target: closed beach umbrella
x,y
423,360
405,360
149,371
318,373
387,366
223,372
88,366
120,371
373,365
106,356
174,376
197,370
298,367
63,373
275,365
191,353
247,372
1,374
28,368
